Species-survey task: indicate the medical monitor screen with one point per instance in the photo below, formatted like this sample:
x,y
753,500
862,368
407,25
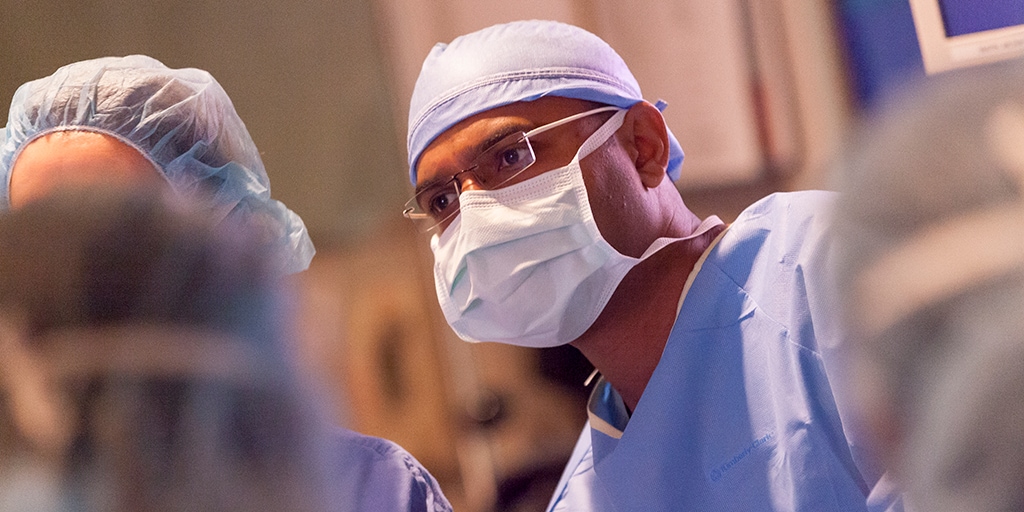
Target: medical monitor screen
x,y
962,17
960,33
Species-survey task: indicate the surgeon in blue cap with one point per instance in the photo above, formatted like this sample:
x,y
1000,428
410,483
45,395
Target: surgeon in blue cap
x,y
127,121
547,182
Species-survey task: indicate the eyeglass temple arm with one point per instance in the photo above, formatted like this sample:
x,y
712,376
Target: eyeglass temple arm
x,y
570,119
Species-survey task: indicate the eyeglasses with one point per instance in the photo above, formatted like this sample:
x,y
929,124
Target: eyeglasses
x,y
491,169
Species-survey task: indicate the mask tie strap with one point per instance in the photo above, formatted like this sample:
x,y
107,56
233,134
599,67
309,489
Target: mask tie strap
x,y
659,244
602,134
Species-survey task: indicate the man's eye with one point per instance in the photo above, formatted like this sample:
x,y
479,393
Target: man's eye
x,y
513,158
440,203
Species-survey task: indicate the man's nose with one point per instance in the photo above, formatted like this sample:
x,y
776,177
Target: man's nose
x,y
468,180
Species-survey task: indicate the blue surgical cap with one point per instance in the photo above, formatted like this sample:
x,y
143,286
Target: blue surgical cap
x,y
179,119
512,62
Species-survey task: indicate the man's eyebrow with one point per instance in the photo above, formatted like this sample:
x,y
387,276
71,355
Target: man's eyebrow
x,y
501,133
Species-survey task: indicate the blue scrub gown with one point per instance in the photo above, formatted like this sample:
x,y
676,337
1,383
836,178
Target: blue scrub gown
x,y
377,475
744,411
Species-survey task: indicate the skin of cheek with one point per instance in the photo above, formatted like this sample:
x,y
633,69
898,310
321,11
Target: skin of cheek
x,y
621,211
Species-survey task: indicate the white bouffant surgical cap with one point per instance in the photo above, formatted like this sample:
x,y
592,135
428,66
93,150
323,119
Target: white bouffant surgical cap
x,y
179,119
513,62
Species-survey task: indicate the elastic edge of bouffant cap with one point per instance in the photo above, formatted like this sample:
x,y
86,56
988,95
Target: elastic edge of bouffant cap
x,y
81,128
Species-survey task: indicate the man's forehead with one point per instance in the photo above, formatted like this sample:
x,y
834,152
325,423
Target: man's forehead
x,y
542,110
463,141
525,114
470,131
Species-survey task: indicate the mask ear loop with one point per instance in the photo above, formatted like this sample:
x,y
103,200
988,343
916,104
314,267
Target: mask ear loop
x,y
602,134
40,414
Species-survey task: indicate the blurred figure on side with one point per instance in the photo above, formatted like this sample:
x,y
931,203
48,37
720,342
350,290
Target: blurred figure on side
x,y
931,264
133,120
143,366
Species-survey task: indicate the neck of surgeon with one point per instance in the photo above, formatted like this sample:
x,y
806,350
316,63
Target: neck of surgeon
x,y
626,341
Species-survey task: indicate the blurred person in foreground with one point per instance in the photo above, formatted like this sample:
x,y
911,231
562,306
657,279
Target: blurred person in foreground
x,y
133,120
930,230
547,181
143,365
117,120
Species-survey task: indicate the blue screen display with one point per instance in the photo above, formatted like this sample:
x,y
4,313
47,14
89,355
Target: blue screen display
x,y
969,16
881,47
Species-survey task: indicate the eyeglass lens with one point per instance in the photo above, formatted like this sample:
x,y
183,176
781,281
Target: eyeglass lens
x,y
493,168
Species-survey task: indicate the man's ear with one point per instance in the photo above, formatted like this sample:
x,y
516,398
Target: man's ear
x,y
649,142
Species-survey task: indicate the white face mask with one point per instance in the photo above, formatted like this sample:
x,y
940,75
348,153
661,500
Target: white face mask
x,y
525,264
